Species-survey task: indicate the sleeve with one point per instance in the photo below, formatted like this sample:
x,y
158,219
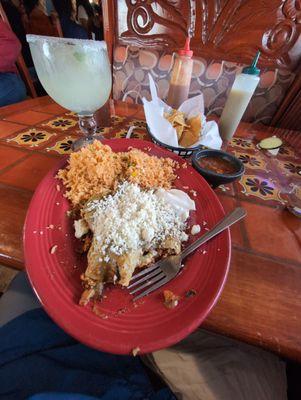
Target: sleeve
x,y
10,47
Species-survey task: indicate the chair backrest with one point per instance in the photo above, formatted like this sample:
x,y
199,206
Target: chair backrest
x,y
37,22
22,68
142,35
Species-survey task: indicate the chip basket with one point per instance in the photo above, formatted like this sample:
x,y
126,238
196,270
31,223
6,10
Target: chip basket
x,y
181,151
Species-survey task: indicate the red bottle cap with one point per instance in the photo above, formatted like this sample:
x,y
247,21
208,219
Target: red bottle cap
x,y
186,50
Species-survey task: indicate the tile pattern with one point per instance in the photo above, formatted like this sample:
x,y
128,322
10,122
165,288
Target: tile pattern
x,y
268,180
32,137
63,146
262,188
61,123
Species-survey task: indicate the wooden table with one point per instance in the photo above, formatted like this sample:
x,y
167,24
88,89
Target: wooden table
x,y
261,302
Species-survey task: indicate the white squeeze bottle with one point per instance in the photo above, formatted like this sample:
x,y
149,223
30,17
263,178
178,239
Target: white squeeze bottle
x,y
241,92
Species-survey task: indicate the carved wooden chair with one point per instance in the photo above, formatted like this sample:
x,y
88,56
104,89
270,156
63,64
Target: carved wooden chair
x,y
142,35
21,66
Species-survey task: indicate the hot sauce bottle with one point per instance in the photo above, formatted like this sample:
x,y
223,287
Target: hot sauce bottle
x,y
180,76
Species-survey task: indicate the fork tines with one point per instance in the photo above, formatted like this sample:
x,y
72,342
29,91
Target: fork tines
x,y
152,276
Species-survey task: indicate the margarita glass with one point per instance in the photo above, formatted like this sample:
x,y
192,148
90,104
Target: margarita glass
x,y
76,74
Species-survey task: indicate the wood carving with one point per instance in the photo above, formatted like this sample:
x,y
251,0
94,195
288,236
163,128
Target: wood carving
x,y
230,30
154,23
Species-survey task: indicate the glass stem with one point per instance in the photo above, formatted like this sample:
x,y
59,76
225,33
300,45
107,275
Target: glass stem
x,y
88,125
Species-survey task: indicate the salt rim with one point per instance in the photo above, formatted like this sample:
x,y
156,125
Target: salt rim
x,y
89,43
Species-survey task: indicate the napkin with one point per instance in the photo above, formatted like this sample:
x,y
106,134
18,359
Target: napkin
x,y
163,130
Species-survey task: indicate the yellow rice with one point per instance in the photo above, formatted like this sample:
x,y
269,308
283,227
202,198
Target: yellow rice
x,y
96,170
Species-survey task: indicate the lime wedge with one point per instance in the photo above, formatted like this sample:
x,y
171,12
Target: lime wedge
x,y
270,143
79,56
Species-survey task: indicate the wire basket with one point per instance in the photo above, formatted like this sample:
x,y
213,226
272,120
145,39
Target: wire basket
x,y
181,151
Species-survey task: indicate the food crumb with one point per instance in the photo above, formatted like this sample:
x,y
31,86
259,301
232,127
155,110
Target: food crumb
x,y
184,165
218,249
195,229
34,231
205,251
204,223
135,351
41,232
53,249
186,187
75,266
58,188
190,293
170,299
206,229
193,192
57,203
50,226
97,312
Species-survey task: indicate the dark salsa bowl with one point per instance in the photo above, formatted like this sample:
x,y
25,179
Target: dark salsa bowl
x,y
217,167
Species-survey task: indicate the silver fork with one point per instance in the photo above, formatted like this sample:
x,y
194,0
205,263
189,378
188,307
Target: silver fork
x,y
166,269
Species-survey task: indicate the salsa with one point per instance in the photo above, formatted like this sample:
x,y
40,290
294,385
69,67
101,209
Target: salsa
x,y
217,164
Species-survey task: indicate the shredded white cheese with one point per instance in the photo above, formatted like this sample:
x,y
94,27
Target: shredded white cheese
x,y
133,219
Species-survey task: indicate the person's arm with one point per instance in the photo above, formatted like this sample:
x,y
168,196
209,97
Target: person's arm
x,y
10,48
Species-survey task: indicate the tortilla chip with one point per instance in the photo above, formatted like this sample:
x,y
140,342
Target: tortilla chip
x,y
175,117
179,129
179,118
188,131
188,138
191,134
167,116
195,123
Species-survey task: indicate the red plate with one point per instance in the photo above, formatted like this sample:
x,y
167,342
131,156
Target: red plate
x,y
120,326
